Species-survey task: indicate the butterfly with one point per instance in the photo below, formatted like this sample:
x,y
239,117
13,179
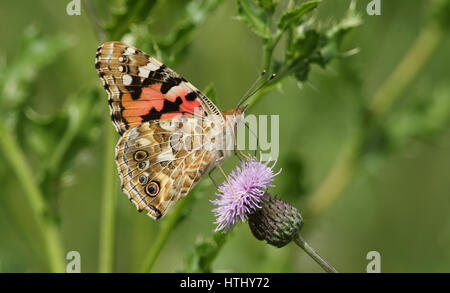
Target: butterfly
x,y
171,133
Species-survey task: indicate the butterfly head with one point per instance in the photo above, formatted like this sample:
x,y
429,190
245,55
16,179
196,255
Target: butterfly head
x,y
236,116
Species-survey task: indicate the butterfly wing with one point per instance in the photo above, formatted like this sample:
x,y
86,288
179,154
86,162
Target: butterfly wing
x,y
140,88
147,100
160,162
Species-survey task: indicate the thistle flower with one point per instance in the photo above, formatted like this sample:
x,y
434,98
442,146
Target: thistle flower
x,y
241,194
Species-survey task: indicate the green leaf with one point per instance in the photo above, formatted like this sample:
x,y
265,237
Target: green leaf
x,y
303,46
36,51
293,16
268,5
59,138
205,252
128,13
178,41
254,18
174,46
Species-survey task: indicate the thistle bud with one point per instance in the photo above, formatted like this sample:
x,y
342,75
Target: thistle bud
x,y
276,222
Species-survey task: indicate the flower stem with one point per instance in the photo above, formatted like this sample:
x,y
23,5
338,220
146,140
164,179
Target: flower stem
x,y
46,225
168,226
314,255
106,245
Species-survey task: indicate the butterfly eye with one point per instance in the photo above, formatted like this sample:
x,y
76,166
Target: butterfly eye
x,y
142,165
140,155
152,188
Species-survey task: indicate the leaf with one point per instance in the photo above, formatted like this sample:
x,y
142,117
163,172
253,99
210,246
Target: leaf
x,y
293,16
334,35
205,252
268,5
254,18
178,41
60,137
35,52
303,46
128,13
173,47
302,71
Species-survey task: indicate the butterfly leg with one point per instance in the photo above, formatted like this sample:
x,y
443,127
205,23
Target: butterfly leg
x,y
228,180
257,139
238,152
212,179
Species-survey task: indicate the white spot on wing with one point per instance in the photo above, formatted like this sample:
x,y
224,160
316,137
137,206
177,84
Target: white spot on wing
x,y
144,71
153,65
166,155
167,125
127,79
131,51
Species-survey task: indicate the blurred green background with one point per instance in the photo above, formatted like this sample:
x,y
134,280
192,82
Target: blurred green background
x,y
397,202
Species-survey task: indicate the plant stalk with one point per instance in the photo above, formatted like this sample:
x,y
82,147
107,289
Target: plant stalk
x,y
168,226
107,224
314,255
48,228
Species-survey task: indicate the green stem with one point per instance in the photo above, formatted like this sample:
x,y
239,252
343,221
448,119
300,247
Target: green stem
x,y
47,227
338,178
168,226
107,220
408,68
93,17
52,168
107,224
314,255
390,91
269,47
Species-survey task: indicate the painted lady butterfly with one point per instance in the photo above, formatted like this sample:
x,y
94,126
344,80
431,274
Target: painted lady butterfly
x,y
169,129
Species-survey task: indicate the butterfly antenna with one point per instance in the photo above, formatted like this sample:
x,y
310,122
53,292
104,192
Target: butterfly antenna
x,y
258,88
244,97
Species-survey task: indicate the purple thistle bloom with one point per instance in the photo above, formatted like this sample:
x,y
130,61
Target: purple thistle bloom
x,y
236,202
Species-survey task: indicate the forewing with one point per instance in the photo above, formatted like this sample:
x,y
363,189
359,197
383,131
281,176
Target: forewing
x,y
141,88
